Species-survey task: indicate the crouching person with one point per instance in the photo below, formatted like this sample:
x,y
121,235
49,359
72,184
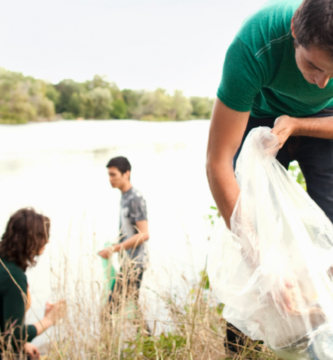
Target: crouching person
x,y
25,237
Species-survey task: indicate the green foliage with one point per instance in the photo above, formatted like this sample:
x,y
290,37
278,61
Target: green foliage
x,y
153,106
23,99
159,105
213,215
97,82
204,280
119,110
26,99
68,116
296,172
75,106
155,347
97,103
52,94
66,89
202,107
132,99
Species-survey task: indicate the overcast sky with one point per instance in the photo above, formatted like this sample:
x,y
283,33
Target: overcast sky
x,y
139,44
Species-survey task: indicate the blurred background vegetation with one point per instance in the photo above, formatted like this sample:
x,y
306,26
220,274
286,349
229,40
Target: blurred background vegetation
x,y
23,99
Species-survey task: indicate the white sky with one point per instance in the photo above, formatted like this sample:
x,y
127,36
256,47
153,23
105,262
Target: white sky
x,y
139,44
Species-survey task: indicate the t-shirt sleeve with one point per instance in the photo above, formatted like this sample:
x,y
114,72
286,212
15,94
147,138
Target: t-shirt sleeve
x,y
137,209
242,78
14,312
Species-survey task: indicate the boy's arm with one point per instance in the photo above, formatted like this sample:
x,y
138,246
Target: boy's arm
x,y
135,240
225,136
132,242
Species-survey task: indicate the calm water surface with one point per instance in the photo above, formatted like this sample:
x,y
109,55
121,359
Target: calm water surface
x,y
59,169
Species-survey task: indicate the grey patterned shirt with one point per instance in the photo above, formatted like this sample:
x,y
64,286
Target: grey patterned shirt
x,y
132,209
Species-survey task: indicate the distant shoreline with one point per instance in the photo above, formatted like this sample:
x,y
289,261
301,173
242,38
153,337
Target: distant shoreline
x,y
26,99
101,120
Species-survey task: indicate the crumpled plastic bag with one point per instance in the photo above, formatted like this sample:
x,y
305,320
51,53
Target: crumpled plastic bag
x,y
273,269
109,274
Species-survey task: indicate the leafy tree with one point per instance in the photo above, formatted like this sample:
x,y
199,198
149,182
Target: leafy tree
x,y
159,105
202,107
52,94
75,105
97,82
97,103
132,99
181,107
154,105
66,89
119,109
23,98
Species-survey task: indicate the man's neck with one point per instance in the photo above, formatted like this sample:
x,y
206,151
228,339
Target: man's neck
x,y
125,187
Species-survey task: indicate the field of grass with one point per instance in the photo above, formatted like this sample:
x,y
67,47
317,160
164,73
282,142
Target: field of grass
x,y
97,330
120,331
93,329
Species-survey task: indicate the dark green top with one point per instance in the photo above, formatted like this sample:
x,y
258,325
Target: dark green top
x,y
260,71
12,305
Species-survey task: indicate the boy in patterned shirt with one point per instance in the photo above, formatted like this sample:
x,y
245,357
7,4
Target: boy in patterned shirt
x,y
133,226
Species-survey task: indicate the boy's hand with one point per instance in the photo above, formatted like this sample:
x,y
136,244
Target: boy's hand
x,y
106,253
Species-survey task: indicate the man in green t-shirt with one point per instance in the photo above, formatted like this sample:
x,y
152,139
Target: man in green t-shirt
x,y
277,73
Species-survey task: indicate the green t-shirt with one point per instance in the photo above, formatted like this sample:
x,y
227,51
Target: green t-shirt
x,y
260,72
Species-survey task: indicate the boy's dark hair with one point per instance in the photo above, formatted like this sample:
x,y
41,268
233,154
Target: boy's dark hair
x,y
121,163
25,235
313,24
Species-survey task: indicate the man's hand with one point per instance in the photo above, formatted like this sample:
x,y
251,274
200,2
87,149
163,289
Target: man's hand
x,y
284,126
31,350
107,252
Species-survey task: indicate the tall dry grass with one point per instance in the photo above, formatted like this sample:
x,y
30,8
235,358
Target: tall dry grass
x,y
94,329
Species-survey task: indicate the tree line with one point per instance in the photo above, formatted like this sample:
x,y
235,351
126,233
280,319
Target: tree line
x,y
24,98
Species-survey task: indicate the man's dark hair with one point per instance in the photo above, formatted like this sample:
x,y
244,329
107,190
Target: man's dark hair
x,y
313,24
121,163
25,235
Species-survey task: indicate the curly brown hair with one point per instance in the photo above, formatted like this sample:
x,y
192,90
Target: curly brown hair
x,y
27,232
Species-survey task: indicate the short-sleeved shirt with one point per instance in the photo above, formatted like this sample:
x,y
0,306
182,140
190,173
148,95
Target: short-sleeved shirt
x,y
133,208
260,71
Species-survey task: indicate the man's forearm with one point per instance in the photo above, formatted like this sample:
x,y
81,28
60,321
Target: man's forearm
x,y
224,188
286,126
313,127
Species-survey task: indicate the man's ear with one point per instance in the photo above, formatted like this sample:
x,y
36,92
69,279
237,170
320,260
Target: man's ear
x,y
293,29
128,174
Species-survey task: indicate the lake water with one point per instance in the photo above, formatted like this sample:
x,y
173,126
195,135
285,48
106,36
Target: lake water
x,y
59,169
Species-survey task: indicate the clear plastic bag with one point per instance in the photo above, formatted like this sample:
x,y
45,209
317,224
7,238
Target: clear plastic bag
x,y
273,269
